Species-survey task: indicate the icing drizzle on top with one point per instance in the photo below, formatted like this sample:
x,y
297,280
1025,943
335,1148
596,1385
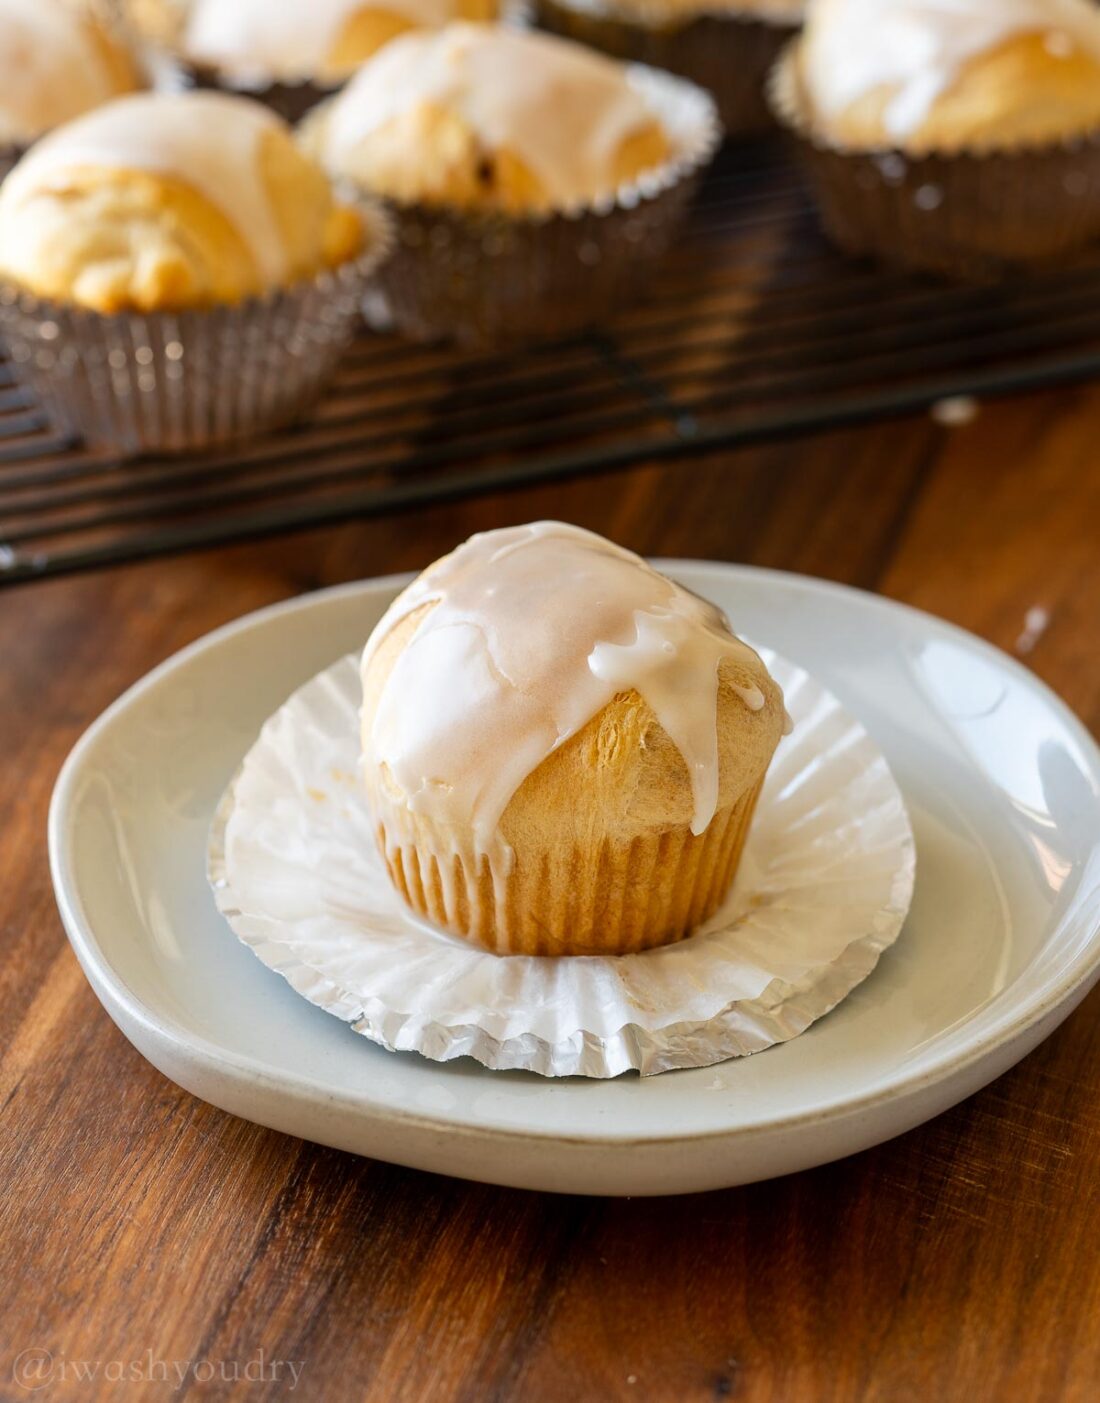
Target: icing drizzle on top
x,y
51,68
564,110
919,47
208,140
534,630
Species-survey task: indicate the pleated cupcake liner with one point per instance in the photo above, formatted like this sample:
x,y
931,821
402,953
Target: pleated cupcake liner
x,y
728,53
822,887
180,382
635,895
486,278
971,214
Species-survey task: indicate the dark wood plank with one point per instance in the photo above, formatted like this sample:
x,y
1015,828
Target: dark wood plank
x,y
959,1262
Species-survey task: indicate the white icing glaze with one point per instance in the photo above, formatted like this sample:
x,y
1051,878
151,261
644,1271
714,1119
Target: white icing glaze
x,y
534,630
919,46
261,38
563,109
51,68
208,140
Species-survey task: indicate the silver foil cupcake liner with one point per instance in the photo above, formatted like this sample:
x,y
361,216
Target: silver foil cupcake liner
x,y
730,53
975,215
177,382
487,278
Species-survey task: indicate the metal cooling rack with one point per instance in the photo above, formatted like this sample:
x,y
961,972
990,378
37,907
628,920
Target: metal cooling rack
x,y
754,328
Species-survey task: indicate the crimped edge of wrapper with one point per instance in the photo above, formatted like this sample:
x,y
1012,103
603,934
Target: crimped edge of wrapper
x,y
120,380
729,52
510,911
781,1012
489,277
782,1009
974,212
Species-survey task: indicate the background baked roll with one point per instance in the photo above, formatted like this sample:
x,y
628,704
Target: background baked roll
x,y
166,201
962,137
56,62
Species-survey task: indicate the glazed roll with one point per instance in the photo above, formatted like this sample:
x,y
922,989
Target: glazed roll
x,y
56,62
533,183
176,271
957,135
289,54
562,748
726,46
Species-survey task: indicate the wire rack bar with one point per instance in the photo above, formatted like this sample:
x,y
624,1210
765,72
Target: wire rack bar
x,y
753,329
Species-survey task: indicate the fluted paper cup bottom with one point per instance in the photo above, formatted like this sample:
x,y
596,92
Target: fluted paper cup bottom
x,y
973,215
629,896
729,54
172,382
822,888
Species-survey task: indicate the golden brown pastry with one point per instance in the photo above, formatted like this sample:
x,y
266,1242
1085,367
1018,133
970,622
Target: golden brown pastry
x,y
478,117
166,201
950,75
55,63
562,749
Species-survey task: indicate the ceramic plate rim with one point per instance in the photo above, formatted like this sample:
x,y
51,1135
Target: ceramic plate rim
x,y
1009,1024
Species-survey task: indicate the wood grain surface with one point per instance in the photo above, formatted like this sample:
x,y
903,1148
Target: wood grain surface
x,y
141,1229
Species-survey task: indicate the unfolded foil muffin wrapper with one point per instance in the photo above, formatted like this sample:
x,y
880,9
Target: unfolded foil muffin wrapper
x,y
973,215
174,382
484,278
823,888
728,50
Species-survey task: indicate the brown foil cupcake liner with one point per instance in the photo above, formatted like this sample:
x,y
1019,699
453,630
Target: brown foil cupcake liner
x,y
175,382
486,278
632,896
973,214
730,54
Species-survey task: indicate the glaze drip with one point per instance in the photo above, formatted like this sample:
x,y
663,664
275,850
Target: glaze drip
x,y
502,669
920,46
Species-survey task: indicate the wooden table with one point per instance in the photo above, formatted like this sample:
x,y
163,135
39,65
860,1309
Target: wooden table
x,y
140,1227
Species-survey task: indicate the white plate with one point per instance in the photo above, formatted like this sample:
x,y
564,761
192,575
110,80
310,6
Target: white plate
x,y
1002,783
